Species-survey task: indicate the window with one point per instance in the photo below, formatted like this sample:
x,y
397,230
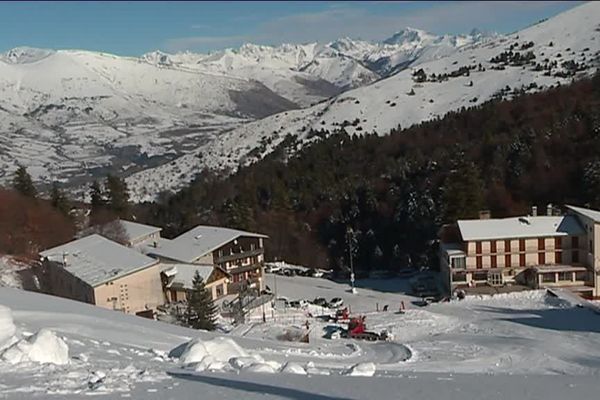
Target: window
x,y
565,276
521,244
459,263
479,262
558,243
575,242
480,276
581,276
478,247
219,290
460,277
548,278
591,248
541,244
575,256
558,257
495,279
507,261
493,246
507,246
541,258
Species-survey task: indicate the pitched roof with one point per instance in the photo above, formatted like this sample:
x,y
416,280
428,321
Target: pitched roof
x,y
96,260
592,214
198,242
135,230
183,274
519,227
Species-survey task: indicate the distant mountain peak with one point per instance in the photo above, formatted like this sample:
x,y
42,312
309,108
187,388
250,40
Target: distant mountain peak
x,y
25,55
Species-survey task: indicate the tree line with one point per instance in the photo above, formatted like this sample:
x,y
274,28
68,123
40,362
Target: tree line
x,y
395,191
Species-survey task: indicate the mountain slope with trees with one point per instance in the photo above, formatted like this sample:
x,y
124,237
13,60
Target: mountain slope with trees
x,y
395,191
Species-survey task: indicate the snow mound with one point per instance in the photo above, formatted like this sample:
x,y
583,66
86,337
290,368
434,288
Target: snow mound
x,y
7,327
362,369
293,368
44,347
218,349
221,354
265,368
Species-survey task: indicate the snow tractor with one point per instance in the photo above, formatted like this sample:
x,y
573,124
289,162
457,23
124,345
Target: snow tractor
x,y
357,329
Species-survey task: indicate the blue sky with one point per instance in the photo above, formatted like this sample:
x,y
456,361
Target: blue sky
x,y
133,28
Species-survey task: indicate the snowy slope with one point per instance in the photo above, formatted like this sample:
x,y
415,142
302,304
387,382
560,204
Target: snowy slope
x,y
66,113
522,345
573,36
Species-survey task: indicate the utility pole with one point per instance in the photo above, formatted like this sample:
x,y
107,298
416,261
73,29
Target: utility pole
x,y
350,237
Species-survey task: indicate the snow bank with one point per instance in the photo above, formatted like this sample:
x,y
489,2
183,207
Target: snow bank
x,y
221,354
219,349
7,327
362,369
43,347
293,368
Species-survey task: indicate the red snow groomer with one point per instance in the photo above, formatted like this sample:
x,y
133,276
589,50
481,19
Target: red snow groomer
x,y
357,329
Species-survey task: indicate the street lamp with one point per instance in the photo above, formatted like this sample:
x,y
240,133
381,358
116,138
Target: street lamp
x,y
350,233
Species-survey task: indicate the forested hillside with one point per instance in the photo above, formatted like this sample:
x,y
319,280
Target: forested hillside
x,y
396,191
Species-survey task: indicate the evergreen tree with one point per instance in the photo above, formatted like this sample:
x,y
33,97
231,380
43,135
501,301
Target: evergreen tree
x,y
117,196
97,196
22,183
201,310
59,200
462,193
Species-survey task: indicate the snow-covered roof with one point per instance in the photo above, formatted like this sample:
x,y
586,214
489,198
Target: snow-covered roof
x,y
135,230
587,212
183,274
519,227
198,242
96,260
452,249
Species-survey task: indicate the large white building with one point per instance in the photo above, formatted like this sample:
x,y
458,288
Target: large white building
x,y
534,250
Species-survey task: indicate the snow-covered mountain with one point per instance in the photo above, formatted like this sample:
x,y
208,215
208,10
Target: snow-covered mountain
x,y
64,113
69,114
551,52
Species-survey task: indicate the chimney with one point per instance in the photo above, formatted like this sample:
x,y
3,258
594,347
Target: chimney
x,y
549,209
65,258
534,211
485,214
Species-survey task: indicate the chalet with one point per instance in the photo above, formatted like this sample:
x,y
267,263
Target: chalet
x,y
178,279
238,253
534,250
98,271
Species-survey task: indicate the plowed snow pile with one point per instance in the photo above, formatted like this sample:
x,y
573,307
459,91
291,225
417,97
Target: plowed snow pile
x,y
44,347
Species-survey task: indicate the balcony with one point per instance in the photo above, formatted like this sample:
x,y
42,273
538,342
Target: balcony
x,y
237,256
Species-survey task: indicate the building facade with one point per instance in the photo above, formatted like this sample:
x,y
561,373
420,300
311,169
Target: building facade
x,y
536,251
239,253
99,271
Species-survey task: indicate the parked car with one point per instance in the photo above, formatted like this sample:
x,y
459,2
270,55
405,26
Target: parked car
x,y
336,302
272,269
320,301
315,273
289,272
298,303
